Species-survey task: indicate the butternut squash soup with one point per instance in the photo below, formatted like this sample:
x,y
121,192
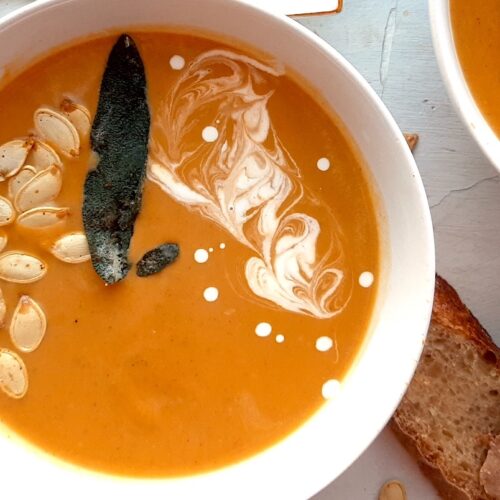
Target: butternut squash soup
x,y
476,32
189,253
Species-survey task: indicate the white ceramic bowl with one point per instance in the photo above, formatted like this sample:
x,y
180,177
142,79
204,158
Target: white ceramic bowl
x,y
451,71
339,432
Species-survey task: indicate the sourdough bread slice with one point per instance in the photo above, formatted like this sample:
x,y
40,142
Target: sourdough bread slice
x,y
450,415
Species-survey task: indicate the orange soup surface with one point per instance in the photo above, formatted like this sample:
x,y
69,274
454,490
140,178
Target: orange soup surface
x,y
476,31
238,342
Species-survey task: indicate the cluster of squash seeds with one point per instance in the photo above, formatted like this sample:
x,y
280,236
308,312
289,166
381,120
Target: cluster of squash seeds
x,y
34,171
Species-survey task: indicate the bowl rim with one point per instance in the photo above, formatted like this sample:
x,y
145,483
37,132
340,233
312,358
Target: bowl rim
x,y
456,83
318,478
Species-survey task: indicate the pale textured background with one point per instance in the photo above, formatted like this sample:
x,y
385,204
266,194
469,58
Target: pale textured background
x,y
389,42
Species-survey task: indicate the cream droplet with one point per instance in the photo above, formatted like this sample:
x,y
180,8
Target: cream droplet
x,y
222,246
263,329
211,294
366,279
210,134
323,164
210,249
177,62
280,338
324,344
330,388
201,255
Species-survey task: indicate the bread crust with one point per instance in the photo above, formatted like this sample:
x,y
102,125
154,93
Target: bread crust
x,y
446,490
448,312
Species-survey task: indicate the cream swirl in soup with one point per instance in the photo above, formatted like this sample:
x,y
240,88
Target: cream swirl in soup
x,y
240,175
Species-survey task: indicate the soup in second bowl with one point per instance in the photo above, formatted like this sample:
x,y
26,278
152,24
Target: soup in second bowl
x,y
476,32
254,240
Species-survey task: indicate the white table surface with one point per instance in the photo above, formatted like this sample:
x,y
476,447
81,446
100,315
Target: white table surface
x,y
389,42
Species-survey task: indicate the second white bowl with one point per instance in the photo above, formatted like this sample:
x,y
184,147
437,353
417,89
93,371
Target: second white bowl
x,y
456,83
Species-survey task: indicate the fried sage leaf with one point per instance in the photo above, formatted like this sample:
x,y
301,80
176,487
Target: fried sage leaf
x,y
157,259
119,137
